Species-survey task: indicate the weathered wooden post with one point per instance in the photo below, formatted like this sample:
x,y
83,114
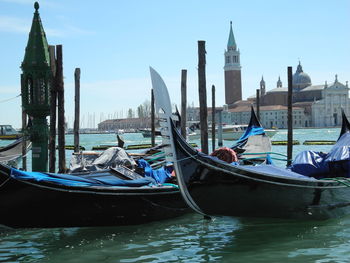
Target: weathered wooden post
x,y
76,109
203,111
183,102
290,117
213,111
60,109
153,126
24,142
258,104
220,129
35,88
53,112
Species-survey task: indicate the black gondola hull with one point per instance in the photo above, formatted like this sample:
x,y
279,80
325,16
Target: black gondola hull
x,y
218,188
25,204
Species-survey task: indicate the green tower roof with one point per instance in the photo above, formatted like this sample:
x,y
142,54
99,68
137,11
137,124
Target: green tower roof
x,y
37,50
231,39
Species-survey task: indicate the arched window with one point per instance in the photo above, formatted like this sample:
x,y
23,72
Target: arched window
x,y
30,90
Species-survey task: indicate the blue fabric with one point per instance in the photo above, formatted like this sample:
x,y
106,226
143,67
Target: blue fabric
x,y
341,150
338,158
268,159
310,163
161,175
72,180
334,164
250,131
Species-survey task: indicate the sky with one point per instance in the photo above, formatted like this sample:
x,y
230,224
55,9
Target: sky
x,y
114,42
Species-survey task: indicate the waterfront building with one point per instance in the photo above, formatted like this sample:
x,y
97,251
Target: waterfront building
x,y
274,116
125,124
321,104
326,112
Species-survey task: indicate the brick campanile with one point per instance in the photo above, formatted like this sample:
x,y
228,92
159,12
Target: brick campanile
x,y
233,80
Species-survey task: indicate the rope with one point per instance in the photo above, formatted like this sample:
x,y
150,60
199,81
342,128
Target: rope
x,y
1,101
274,158
156,158
342,180
8,179
183,159
264,153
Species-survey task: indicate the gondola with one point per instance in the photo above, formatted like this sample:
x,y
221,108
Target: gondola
x,y
254,146
110,197
11,153
216,188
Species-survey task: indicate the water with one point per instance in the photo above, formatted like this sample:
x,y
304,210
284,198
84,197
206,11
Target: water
x,y
188,238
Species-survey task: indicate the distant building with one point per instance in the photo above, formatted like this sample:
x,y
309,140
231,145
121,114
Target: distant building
x,y
321,104
125,124
270,116
232,68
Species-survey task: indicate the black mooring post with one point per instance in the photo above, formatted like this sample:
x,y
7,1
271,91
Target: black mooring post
x,y
290,117
203,110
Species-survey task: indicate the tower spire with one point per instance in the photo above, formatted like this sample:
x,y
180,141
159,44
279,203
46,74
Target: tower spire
x,y
279,82
37,50
231,44
262,86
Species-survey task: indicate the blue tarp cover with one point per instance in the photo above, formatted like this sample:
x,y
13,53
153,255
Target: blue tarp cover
x,y
310,163
161,175
334,164
73,180
250,131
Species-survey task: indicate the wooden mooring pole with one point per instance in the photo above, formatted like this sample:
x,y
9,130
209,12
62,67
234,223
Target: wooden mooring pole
x,y
53,112
60,115
183,102
153,125
76,109
213,111
220,143
203,111
258,104
290,117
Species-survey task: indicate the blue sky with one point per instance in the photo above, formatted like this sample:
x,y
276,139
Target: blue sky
x,y
114,42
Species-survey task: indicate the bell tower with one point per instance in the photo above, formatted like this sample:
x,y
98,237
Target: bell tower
x,y
262,86
232,68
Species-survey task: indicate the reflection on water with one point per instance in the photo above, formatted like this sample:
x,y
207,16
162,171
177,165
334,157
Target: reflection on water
x,y
186,239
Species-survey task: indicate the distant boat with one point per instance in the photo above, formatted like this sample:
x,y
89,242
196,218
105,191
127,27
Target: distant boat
x,y
7,132
229,132
147,133
120,132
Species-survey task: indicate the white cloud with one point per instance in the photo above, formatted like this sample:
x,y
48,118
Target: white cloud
x,y
18,25
18,1
14,24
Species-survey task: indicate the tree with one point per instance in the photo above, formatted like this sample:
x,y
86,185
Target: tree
x,y
140,112
130,113
146,108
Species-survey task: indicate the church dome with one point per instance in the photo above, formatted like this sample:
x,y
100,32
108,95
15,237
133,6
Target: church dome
x,y
301,79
